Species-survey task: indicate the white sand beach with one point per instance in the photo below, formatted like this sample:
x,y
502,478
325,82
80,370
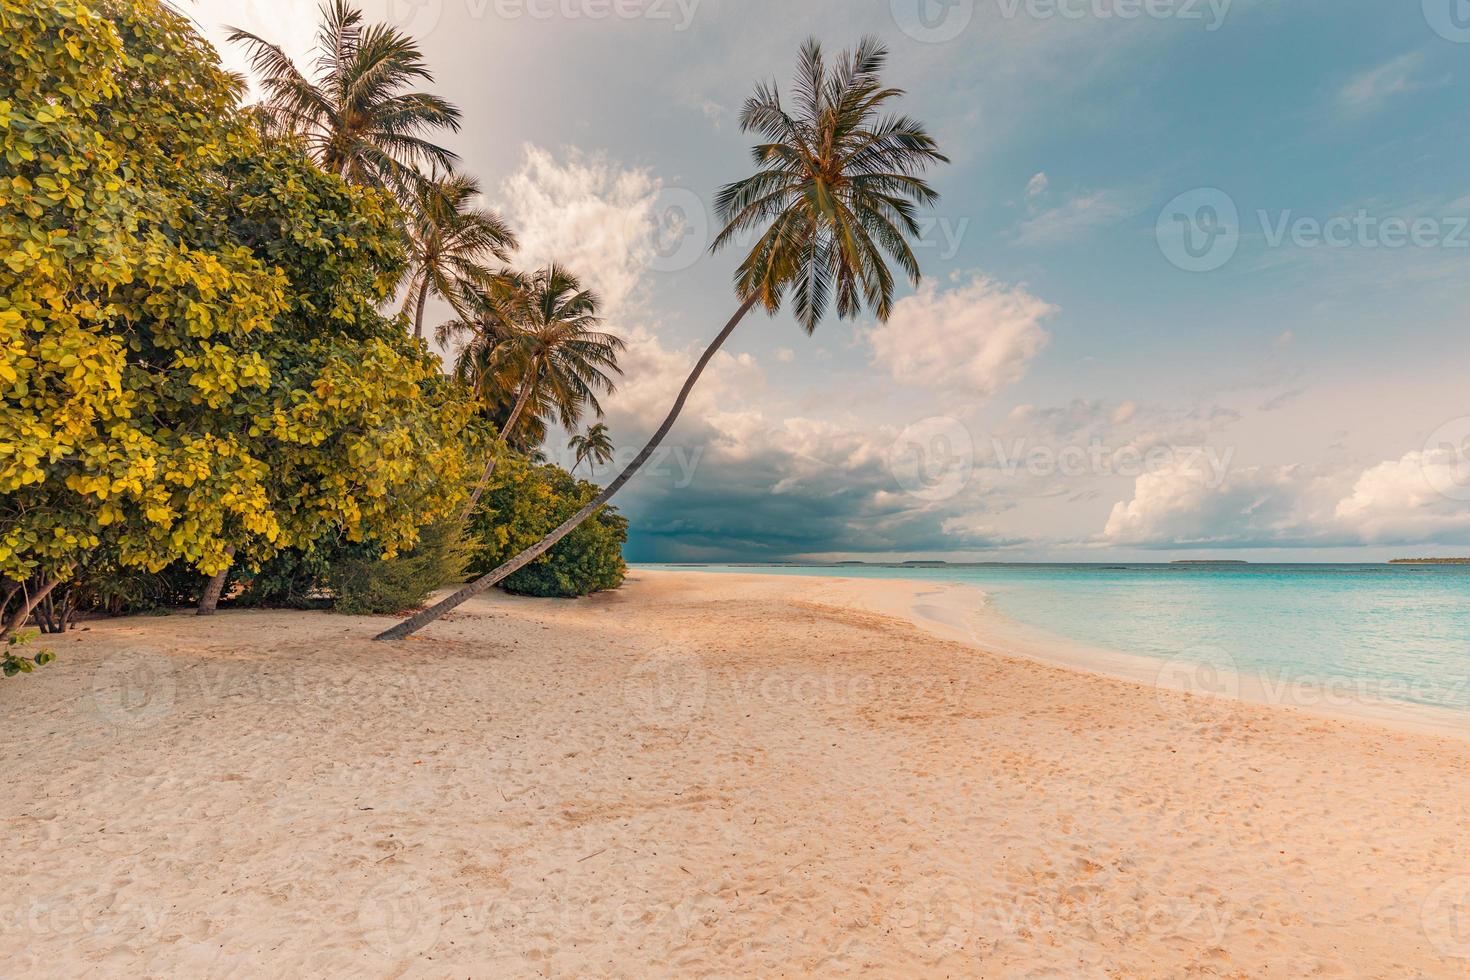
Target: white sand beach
x,y
699,775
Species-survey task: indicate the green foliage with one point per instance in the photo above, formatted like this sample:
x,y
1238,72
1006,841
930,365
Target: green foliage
x,y
194,364
14,661
366,584
521,505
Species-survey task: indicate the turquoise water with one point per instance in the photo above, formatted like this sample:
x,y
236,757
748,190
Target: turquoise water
x,y
1393,632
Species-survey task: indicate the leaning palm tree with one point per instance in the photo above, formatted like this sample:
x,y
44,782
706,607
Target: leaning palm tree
x,y
450,241
539,337
595,445
356,115
834,198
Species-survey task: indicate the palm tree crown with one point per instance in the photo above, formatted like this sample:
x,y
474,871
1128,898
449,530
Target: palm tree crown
x,y
836,189
450,242
595,445
356,117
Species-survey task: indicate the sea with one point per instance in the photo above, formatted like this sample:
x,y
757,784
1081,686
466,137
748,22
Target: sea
x,y
1385,632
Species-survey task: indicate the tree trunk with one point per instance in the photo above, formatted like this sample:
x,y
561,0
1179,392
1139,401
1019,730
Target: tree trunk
x,y
214,586
418,317
27,603
505,430
419,620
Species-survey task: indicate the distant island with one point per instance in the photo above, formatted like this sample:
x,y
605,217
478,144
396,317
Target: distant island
x,y
1204,562
1430,561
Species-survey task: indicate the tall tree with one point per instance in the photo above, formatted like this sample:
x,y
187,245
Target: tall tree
x,y
538,336
356,114
834,197
595,445
450,240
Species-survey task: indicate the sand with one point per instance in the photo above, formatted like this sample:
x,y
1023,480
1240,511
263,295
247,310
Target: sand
x,y
699,775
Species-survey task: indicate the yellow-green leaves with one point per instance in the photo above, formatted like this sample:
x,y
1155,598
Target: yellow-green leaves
x,y
192,361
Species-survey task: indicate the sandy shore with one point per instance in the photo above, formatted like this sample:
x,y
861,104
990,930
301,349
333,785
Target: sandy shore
x,y
704,775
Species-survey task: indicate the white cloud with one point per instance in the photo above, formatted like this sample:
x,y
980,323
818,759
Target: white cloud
x,y
1037,185
1370,90
785,355
974,338
1072,218
1403,500
1400,500
586,213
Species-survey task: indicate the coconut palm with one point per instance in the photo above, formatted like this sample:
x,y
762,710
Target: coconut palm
x,y
595,445
356,115
538,336
833,200
450,241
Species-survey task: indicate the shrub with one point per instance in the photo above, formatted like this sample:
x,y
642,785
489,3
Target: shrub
x,y
522,504
364,583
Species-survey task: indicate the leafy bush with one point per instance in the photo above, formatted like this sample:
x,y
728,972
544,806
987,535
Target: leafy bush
x,y
364,583
522,504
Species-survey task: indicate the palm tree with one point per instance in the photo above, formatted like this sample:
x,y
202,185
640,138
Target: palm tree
x,y
356,116
595,445
538,336
834,197
450,240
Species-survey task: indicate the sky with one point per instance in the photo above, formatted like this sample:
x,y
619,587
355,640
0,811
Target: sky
x,y
1198,285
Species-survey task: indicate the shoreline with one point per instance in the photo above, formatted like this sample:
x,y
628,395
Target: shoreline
x,y
963,613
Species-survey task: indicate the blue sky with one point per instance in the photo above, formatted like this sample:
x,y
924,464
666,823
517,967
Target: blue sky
x,y
1060,387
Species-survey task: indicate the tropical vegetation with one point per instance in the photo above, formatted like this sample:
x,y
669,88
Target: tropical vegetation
x,y
216,385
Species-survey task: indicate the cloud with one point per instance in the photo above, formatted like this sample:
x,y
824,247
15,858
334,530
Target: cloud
x,y
1072,218
1369,91
972,338
586,213
1400,500
1037,185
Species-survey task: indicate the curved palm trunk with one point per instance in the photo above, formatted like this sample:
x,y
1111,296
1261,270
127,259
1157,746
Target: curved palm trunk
x,y
418,317
418,621
505,430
